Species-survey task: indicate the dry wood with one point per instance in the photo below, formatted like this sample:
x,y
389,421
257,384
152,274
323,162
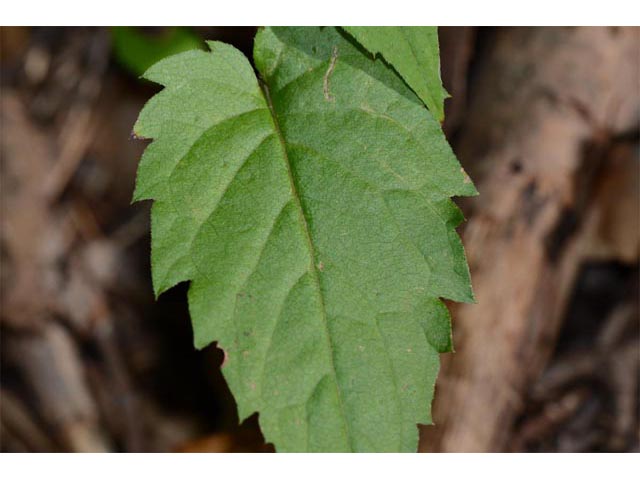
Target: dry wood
x,y
547,107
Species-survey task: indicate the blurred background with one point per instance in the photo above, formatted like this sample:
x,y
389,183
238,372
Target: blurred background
x,y
546,122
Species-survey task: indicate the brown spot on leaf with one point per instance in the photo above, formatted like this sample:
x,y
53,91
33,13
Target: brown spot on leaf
x,y
466,177
325,80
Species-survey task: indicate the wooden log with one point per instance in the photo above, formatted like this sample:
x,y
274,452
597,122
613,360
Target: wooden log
x,y
547,106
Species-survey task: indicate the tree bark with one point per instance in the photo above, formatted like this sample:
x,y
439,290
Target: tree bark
x,y
549,106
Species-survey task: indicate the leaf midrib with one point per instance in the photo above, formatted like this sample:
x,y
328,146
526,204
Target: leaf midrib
x,y
312,254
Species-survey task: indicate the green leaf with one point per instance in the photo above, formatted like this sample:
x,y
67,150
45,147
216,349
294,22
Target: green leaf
x,y
311,212
137,51
414,53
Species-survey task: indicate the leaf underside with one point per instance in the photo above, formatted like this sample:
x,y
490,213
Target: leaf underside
x,y
311,212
